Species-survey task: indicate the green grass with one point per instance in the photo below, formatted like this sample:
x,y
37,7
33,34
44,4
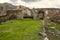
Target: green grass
x,y
26,29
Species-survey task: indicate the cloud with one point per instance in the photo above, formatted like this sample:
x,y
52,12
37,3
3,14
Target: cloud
x,y
36,3
2,1
41,4
30,0
13,1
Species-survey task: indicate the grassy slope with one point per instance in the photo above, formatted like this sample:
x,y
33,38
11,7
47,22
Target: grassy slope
x,y
26,29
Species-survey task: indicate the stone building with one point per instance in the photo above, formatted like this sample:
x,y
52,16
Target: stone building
x,y
14,13
9,11
26,11
53,14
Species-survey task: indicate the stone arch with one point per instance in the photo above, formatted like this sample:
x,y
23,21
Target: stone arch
x,y
40,14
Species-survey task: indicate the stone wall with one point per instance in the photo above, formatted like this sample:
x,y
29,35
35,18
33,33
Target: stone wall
x,y
53,14
15,14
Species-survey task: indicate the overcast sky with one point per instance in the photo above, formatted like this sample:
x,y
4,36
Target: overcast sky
x,y
35,3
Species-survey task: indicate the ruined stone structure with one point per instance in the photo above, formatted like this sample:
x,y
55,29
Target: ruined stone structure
x,y
37,14
11,14
26,11
53,14
21,11
14,14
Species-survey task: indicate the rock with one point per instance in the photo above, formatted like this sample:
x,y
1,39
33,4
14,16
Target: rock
x,y
42,33
46,38
52,27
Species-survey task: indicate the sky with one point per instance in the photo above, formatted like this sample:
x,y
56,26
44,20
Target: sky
x,y
35,3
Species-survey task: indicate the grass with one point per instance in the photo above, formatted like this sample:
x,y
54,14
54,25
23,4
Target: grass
x,y
26,29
